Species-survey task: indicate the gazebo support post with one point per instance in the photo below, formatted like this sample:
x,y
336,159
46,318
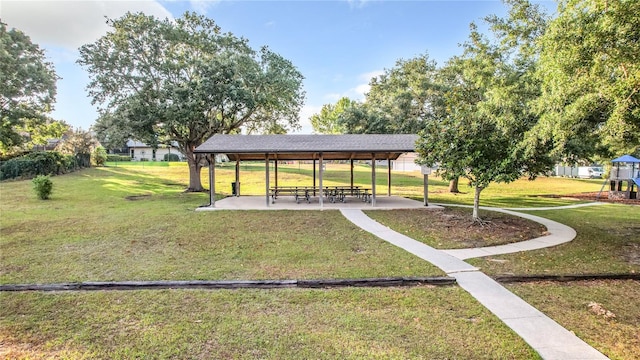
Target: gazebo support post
x,y
266,165
212,180
238,177
320,194
275,168
351,176
373,179
388,177
314,175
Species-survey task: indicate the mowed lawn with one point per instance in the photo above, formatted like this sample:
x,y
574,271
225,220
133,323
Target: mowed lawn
x,y
134,222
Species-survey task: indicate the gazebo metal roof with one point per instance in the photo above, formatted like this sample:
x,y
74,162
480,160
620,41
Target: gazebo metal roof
x,y
308,147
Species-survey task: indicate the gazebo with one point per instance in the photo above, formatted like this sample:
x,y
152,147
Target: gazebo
x,y
316,148
624,181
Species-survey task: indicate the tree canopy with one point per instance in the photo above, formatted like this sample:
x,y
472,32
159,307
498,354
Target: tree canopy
x,y
27,90
489,90
590,74
328,120
400,101
184,80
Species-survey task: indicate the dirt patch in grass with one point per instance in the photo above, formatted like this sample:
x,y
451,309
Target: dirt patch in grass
x,y
452,228
138,197
631,253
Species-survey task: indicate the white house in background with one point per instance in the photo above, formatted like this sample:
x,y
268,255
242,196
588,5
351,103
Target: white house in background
x,y
406,162
139,150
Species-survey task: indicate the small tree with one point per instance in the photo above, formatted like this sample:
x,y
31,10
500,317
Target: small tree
x,y
489,105
43,186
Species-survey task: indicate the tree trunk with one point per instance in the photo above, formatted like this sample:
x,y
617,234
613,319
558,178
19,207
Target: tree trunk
x,y
195,184
476,204
453,186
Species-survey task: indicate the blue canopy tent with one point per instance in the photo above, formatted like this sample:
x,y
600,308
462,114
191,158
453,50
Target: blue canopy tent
x,y
626,159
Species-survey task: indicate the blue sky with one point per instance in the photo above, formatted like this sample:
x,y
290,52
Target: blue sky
x,y
338,45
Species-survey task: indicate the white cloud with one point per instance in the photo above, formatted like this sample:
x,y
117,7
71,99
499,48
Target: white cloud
x,y
357,92
305,113
201,6
70,24
369,75
363,88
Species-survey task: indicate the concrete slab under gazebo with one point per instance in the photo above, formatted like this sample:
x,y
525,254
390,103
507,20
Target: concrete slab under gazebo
x,y
316,148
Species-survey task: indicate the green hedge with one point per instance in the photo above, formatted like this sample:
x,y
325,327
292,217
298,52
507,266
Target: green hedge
x,y
41,163
118,158
171,157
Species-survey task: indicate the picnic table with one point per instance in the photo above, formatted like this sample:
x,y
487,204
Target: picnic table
x,y
332,193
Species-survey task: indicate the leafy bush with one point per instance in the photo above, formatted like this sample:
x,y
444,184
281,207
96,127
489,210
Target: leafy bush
x,y
119,158
99,156
43,186
171,157
37,163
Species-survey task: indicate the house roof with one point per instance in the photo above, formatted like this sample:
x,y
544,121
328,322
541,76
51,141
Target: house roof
x,y
308,147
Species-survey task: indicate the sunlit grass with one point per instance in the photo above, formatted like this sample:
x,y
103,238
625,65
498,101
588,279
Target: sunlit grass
x,y
520,193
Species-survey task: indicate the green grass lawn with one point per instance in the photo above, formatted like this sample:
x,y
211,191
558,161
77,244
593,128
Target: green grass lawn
x,y
134,222
520,193
90,230
607,241
390,323
616,336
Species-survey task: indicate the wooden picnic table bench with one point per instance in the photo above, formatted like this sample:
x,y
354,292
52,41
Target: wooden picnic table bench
x,y
299,192
332,193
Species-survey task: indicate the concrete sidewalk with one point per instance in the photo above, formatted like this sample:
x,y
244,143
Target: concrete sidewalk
x,y
289,203
544,335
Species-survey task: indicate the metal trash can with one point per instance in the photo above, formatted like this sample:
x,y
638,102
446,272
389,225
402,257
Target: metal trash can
x,y
234,191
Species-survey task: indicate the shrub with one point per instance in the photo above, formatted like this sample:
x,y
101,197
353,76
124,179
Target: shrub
x,y
171,157
118,158
42,186
37,163
99,156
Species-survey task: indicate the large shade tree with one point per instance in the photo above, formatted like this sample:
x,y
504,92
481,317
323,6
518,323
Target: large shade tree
x,y
399,101
488,103
591,79
27,88
184,80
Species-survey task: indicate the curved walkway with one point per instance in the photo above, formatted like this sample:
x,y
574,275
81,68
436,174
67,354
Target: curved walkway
x,y
544,335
